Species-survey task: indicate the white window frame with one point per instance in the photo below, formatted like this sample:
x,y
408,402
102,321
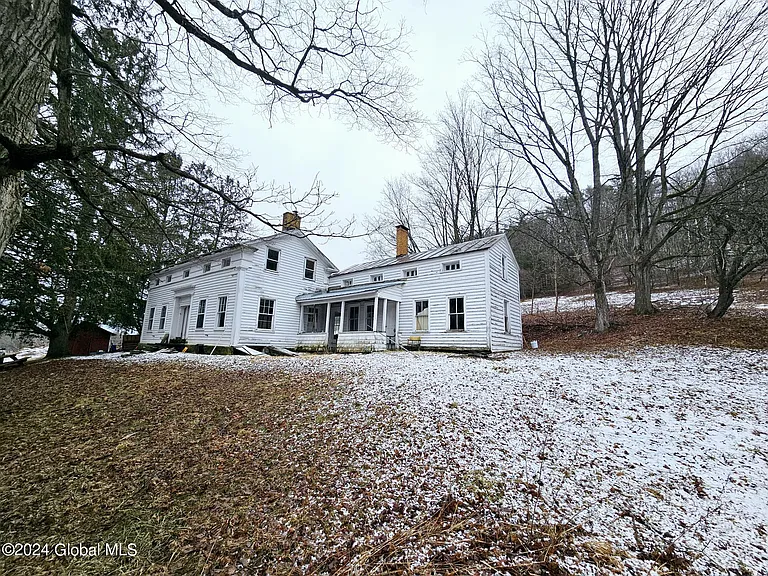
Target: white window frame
x,y
377,277
411,273
151,319
206,267
276,260
346,283
163,314
271,314
503,267
313,271
157,281
507,327
221,313
168,278
416,315
185,274
226,262
319,322
202,304
463,313
452,266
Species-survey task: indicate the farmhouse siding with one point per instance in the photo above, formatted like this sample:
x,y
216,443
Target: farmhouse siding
x,y
282,286
504,287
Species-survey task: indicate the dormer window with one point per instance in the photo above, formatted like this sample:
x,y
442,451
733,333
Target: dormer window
x,y
450,266
226,262
272,257
168,278
412,273
157,281
207,267
185,274
377,277
347,282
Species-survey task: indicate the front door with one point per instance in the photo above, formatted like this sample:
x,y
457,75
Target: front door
x,y
183,321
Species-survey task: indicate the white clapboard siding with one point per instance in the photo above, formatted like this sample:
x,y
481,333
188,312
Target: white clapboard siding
x,y
219,281
504,287
282,286
436,285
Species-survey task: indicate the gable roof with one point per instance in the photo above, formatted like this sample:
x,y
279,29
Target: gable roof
x,y
251,245
450,250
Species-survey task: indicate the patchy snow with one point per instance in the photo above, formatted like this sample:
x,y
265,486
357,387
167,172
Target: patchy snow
x,y
32,353
643,449
664,299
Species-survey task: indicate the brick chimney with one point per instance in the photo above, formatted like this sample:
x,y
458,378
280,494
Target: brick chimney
x,y
291,221
402,240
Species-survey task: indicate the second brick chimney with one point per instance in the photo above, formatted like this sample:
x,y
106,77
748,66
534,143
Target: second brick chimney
x,y
402,240
291,221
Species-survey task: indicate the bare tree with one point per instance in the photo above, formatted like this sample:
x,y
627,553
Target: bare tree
x,y
681,78
465,188
543,89
338,54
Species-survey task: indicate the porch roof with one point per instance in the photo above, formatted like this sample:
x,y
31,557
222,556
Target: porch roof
x,y
362,290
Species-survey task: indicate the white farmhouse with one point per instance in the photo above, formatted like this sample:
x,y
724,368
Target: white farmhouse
x,y
283,291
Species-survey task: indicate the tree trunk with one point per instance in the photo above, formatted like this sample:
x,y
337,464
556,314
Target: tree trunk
x,y
28,32
58,343
602,310
724,299
643,283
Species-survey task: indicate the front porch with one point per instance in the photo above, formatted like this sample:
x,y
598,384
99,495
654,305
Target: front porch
x,y
356,319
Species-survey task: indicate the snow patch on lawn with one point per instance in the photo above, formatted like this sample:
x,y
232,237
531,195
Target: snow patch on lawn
x,y
644,449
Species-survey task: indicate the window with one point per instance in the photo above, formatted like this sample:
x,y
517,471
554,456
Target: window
x,y
354,319
504,270
309,269
448,266
151,319
163,312
222,313
412,273
207,267
506,315
313,319
347,282
185,274
157,281
456,313
200,314
377,277
422,315
226,262
266,313
369,317
272,257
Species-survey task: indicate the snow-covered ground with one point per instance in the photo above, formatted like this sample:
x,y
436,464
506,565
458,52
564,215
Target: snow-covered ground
x,y
664,299
644,449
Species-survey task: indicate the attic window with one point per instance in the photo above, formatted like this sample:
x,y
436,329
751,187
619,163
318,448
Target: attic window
x,y
168,278
157,281
449,266
185,274
272,257
377,277
309,269
226,262
347,282
207,267
412,273
503,267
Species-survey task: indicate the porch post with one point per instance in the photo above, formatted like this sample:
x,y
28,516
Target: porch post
x,y
327,317
375,326
384,311
397,325
341,320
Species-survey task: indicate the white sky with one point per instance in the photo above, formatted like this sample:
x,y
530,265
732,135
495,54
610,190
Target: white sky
x,y
354,164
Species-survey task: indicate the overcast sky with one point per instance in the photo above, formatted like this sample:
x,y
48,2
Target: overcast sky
x,y
354,164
